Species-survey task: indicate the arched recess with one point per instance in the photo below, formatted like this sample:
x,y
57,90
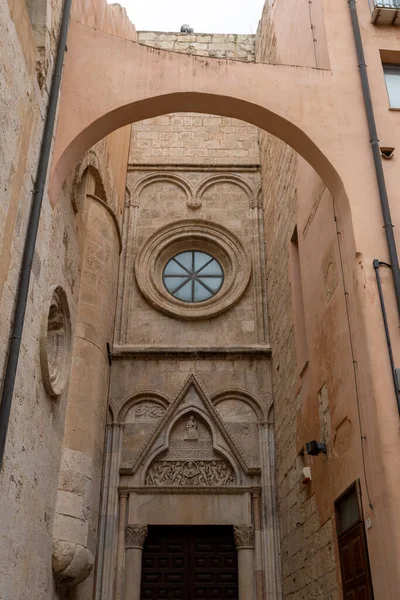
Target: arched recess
x,y
91,161
224,178
241,395
148,180
150,396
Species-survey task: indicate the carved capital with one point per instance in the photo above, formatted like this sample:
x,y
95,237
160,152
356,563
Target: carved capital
x,y
135,536
244,537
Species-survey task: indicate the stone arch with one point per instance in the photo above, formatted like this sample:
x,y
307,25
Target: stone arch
x,y
226,178
145,83
146,395
148,180
246,397
91,161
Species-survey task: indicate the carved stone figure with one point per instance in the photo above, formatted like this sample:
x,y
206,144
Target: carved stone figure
x,y
191,429
190,473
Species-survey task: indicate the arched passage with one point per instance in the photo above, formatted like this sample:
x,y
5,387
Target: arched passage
x,y
143,82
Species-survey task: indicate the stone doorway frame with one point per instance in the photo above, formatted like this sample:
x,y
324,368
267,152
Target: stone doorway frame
x,y
134,522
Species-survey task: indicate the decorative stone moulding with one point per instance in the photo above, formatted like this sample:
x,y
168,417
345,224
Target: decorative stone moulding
x,y
135,536
72,563
244,536
192,235
55,341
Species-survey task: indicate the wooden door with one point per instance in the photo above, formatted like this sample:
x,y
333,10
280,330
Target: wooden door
x,y
354,565
189,563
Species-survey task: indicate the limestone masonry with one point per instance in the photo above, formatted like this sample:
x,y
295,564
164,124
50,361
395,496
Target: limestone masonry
x,y
205,404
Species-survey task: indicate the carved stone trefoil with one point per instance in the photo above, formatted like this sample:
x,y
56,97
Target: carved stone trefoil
x,y
135,536
244,536
190,473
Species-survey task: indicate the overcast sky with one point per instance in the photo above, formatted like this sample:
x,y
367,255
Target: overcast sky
x,y
210,16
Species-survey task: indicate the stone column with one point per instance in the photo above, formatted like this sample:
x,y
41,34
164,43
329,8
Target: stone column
x,y
77,508
258,566
271,546
244,540
119,575
135,536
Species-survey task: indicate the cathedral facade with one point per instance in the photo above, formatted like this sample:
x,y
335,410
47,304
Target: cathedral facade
x,y
200,393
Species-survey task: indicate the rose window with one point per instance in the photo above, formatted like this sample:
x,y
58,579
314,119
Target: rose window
x,y
193,276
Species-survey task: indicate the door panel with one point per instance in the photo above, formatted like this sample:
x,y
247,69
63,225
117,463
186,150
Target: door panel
x,y
356,580
189,563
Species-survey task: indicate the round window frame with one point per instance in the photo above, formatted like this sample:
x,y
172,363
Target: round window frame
x,y
55,365
188,235
192,276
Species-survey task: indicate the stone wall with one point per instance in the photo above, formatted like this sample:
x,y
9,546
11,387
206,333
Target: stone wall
x,y
290,189
30,472
213,45
187,137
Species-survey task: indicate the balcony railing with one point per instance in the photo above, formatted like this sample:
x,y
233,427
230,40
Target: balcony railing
x,y
385,12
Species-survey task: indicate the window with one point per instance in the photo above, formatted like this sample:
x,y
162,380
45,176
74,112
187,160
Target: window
x,y
298,305
193,276
192,269
392,78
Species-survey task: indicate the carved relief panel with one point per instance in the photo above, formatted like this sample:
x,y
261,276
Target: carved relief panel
x,y
191,460
188,444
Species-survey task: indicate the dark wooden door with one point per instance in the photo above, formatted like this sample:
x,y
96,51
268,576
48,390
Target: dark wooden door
x,y
189,563
354,564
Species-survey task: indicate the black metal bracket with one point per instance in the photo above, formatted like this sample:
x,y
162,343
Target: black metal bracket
x,y
109,354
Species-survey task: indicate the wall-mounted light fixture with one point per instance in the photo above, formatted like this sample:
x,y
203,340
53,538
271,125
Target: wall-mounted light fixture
x,y
314,448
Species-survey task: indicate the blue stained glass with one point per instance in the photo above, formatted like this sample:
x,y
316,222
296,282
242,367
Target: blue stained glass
x,y
193,276
213,268
172,283
185,293
214,283
201,293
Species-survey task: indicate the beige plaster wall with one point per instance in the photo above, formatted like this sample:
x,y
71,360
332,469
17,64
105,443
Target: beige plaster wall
x,y
318,398
293,33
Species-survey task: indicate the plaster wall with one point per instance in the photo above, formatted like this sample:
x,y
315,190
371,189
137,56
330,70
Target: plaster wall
x,y
323,374
293,33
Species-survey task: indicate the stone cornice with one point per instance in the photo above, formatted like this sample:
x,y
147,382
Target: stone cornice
x,y
186,490
196,167
145,352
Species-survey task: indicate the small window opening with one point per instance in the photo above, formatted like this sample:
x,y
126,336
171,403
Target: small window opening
x,y
392,79
298,304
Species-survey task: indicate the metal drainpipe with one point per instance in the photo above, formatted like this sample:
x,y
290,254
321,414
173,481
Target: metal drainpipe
x,y
376,263
31,233
380,177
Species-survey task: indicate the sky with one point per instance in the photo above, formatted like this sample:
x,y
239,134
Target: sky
x,y
205,16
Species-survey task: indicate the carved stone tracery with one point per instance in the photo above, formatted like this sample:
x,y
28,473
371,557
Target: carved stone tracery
x,y
190,473
149,410
135,536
